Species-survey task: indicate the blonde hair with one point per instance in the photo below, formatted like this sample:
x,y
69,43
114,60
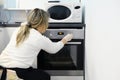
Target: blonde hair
x,y
36,18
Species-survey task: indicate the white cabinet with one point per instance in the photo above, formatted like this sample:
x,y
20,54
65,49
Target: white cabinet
x,y
8,33
31,4
24,4
11,4
2,39
67,78
5,35
1,2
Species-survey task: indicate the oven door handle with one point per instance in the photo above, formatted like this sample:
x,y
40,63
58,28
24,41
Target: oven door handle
x,y
74,43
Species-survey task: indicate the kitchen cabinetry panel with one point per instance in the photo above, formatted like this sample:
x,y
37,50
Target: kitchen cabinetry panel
x,y
32,4
10,3
5,35
2,39
24,4
67,78
8,33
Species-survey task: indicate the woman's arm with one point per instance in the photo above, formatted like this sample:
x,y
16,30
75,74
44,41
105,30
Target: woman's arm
x,y
51,47
54,47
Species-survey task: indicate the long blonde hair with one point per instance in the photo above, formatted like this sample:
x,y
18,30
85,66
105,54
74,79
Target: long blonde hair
x,y
35,18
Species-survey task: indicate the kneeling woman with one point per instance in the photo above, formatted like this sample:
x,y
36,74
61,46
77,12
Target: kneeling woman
x,y
26,43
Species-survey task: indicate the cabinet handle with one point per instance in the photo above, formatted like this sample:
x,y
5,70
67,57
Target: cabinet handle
x,y
74,43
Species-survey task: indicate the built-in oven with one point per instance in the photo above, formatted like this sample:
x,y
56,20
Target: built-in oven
x,y
70,59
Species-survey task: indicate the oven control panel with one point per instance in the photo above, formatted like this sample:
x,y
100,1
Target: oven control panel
x,y
60,33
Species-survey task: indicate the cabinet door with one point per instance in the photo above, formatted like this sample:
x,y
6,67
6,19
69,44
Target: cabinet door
x,y
8,31
10,4
2,39
67,78
24,4
31,4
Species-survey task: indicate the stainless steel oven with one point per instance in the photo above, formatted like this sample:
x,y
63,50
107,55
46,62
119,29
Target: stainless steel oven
x,y
70,59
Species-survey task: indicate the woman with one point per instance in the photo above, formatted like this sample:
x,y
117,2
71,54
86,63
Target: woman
x,y
25,44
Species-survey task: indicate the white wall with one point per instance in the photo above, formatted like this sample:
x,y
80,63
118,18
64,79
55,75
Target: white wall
x,y
102,39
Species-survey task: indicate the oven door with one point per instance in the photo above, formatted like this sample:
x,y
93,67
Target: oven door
x,y
70,57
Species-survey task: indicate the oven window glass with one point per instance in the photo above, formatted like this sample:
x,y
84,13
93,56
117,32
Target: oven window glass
x,y
70,57
59,12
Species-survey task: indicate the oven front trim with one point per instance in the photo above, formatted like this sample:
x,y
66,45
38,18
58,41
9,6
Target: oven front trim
x,y
65,72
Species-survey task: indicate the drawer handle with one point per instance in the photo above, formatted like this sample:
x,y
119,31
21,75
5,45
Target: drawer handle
x,y
74,42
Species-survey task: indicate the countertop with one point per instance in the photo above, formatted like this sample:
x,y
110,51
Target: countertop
x,y
10,25
51,25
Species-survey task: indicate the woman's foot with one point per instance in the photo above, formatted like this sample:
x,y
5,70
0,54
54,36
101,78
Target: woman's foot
x,y
1,73
11,75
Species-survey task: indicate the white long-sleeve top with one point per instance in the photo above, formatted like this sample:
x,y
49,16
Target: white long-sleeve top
x,y
24,55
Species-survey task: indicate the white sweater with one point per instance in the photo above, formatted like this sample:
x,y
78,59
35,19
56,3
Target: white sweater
x,y
24,55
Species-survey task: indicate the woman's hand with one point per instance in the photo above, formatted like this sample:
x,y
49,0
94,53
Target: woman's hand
x,y
67,38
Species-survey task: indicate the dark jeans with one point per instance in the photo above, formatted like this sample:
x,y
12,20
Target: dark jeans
x,y
28,74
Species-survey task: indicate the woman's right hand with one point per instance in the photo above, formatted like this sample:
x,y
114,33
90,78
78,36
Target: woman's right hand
x,y
67,38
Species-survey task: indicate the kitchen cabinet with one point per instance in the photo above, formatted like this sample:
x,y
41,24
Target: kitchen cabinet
x,y
24,4
5,35
8,33
67,78
2,39
32,4
1,3
11,4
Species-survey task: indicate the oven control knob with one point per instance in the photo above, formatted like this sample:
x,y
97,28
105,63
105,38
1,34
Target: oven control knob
x,y
51,35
